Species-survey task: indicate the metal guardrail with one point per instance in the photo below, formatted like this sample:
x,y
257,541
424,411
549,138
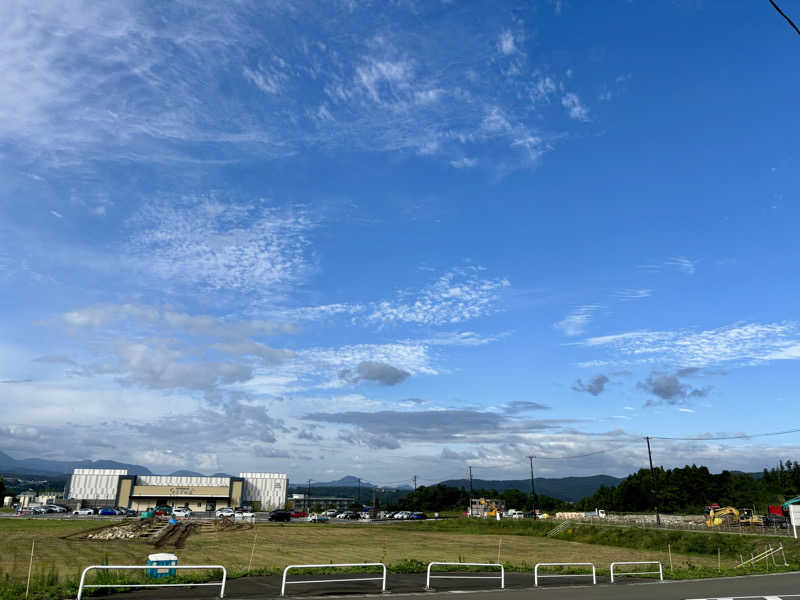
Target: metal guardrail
x,y
284,583
660,571
502,577
593,575
83,585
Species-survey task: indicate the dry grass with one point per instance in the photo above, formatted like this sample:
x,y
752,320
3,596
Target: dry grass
x,y
277,545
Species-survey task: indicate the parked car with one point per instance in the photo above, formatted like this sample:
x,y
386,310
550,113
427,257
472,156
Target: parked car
x,y
418,516
83,511
181,512
107,511
129,512
54,508
299,514
331,513
280,515
315,518
224,512
347,515
30,511
163,511
244,514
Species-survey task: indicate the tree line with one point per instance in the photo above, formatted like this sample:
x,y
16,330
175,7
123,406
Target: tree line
x,y
443,497
681,490
691,488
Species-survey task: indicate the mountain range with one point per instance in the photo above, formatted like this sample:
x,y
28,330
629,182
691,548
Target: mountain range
x,y
571,489
43,466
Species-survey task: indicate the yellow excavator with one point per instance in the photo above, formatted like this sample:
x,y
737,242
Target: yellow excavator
x,y
726,515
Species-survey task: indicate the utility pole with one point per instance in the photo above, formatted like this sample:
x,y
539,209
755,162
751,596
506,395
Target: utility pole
x,y
359,490
415,483
470,491
374,511
308,498
533,488
653,482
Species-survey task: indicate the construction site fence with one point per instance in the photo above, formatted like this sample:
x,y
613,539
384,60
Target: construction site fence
x,y
771,530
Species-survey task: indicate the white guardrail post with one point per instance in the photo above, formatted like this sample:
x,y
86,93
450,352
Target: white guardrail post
x,y
83,583
502,577
284,583
660,571
536,575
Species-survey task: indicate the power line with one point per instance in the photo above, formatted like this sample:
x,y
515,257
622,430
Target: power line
x,y
741,436
783,14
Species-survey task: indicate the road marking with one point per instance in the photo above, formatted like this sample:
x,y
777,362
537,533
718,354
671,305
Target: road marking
x,y
781,597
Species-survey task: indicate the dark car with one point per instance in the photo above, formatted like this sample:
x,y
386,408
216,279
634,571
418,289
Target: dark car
x,y
419,516
280,515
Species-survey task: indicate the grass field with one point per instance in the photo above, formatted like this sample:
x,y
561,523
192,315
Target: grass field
x,y
58,557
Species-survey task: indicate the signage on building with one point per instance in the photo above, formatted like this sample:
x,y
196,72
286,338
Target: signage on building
x,y
180,491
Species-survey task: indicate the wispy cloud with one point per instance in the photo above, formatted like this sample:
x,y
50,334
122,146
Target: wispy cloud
x,y
683,264
741,343
463,163
505,42
678,263
633,294
397,89
574,107
245,246
457,296
576,322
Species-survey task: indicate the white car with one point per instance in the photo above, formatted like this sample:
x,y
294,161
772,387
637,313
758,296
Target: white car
x,y
181,512
244,514
225,512
83,511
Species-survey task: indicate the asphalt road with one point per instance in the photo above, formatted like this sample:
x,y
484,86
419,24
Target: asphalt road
x,y
784,586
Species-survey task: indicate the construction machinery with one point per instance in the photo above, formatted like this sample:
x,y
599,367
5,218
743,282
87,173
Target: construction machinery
x,y
748,517
726,515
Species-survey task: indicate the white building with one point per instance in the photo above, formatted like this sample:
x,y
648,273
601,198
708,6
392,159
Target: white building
x,y
115,487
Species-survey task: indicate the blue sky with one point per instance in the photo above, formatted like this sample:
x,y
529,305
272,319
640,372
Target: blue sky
x,y
398,238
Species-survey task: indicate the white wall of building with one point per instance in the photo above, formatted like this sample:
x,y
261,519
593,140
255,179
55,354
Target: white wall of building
x,y
268,488
175,481
90,484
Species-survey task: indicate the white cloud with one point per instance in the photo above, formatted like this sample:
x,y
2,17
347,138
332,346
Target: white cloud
x,y
575,108
505,43
456,296
745,343
683,264
269,82
633,294
685,410
576,322
243,246
465,162
393,89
